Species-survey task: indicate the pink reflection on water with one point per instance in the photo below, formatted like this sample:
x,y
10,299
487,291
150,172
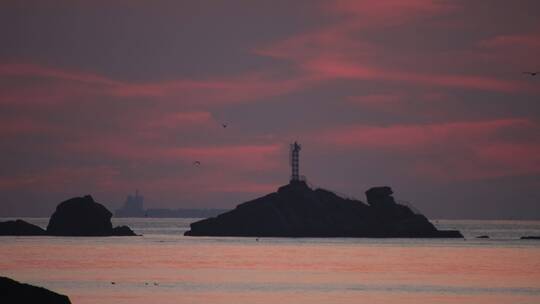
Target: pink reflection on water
x,y
190,270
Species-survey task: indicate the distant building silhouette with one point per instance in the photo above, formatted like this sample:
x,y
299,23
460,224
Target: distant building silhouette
x,y
133,206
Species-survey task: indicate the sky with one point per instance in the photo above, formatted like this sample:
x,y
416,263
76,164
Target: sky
x,y
427,97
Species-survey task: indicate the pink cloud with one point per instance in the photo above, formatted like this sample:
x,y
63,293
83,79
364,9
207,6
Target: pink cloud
x,y
61,178
65,86
47,93
377,101
522,158
426,104
244,187
246,157
516,51
234,89
341,39
486,161
230,157
31,70
350,70
517,40
167,126
179,119
197,185
25,126
463,150
389,12
342,51
110,182
410,136
225,169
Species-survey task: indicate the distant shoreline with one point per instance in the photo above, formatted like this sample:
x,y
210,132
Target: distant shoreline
x,y
168,213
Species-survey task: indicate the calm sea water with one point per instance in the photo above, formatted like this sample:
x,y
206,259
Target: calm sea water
x,y
165,267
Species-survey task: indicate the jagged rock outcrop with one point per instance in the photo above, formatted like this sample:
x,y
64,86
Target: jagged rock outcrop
x,y
12,291
21,228
82,216
380,197
296,210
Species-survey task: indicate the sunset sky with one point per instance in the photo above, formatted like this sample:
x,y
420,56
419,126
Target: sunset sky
x,y
428,97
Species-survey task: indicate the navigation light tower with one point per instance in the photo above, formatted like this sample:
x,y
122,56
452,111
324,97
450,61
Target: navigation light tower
x,y
295,161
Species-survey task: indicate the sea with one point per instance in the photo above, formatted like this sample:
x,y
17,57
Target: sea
x,y
163,266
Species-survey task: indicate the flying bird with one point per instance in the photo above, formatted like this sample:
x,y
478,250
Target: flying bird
x,y
531,73
197,163
224,125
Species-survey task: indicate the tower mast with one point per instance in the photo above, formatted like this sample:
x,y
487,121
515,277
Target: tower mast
x,y
295,161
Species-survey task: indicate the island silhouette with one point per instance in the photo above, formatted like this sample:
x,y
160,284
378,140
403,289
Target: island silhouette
x,y
78,216
297,210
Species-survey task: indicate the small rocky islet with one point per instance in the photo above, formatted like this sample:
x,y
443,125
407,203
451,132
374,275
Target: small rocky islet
x,y
78,216
20,228
530,237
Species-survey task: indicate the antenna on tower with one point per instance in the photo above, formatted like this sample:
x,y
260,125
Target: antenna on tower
x,y
295,161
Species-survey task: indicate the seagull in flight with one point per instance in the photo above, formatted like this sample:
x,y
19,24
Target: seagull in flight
x,y
197,163
531,73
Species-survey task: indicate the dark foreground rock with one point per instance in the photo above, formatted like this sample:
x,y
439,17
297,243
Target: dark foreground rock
x,y
296,210
82,216
12,291
530,237
20,227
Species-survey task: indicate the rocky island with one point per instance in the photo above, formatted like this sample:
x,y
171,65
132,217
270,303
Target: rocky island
x,y
78,216
82,216
296,210
20,228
